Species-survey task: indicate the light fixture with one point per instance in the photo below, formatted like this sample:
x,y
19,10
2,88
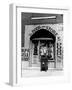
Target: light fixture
x,y
43,17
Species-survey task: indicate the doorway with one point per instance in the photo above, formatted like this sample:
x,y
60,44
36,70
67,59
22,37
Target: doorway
x,y
43,42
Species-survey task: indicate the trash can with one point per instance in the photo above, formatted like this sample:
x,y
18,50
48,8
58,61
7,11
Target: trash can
x,y
44,63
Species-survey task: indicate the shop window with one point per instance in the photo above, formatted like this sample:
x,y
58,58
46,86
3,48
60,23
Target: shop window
x,y
59,50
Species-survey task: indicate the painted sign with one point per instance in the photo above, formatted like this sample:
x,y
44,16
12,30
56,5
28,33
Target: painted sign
x,y
43,27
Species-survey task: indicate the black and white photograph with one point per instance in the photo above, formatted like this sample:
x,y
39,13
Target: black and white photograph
x,y
41,43
38,45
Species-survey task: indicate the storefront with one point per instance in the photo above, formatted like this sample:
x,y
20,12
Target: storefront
x,y
43,39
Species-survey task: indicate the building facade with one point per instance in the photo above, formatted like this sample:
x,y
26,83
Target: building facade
x,y
42,38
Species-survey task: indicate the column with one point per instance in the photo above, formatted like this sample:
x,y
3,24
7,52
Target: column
x,y
30,59
38,53
55,53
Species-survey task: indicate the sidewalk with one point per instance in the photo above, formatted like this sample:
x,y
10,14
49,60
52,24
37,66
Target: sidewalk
x,y
36,72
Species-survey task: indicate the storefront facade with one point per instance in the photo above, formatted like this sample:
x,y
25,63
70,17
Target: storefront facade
x,y
49,37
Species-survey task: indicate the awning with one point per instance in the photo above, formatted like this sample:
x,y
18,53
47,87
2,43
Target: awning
x,y
42,39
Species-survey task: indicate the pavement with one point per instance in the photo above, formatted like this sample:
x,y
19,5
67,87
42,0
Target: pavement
x,y
35,71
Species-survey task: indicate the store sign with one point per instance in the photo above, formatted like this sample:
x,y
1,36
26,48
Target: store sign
x,y
43,27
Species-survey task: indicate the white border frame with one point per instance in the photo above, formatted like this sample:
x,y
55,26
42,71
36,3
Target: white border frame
x,y
15,45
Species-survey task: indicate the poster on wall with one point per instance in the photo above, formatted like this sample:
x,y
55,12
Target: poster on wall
x,y
26,54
